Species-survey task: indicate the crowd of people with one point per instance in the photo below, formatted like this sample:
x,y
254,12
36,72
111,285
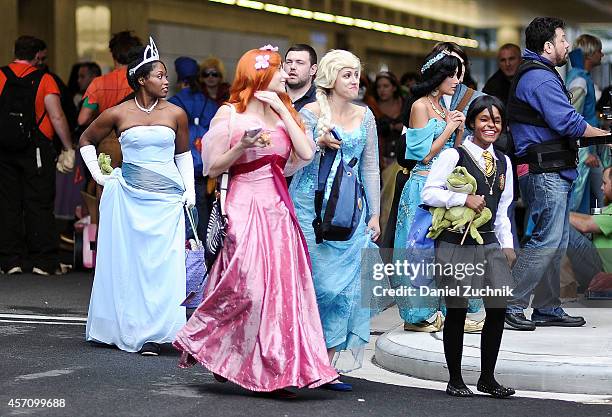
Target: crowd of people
x,y
283,304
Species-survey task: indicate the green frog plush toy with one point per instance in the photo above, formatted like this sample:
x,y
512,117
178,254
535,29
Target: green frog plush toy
x,y
456,218
104,161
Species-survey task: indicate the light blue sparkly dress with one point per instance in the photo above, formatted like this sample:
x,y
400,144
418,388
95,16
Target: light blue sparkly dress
x,y
414,309
336,265
139,281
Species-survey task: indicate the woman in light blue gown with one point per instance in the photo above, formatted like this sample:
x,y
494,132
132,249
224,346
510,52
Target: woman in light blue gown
x,y
139,279
336,264
432,129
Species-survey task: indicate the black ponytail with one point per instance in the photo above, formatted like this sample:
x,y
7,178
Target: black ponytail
x,y
437,73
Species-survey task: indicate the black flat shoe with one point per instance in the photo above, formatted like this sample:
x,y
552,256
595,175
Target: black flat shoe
x,y
220,378
459,391
150,349
497,391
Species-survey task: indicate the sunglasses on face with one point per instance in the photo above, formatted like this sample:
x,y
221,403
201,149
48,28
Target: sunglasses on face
x,y
210,74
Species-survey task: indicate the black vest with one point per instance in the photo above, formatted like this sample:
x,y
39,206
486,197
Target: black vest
x,y
550,156
521,112
492,194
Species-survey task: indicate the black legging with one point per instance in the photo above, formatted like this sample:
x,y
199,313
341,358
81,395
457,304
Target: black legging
x,y
490,339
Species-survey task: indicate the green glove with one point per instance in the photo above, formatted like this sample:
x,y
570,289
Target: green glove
x,y
104,161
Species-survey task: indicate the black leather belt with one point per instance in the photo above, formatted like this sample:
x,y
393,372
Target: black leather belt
x,y
456,237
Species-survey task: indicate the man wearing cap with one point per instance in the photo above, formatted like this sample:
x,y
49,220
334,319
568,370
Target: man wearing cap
x,y
200,111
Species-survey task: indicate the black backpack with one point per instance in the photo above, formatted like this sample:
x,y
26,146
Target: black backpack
x,y
18,124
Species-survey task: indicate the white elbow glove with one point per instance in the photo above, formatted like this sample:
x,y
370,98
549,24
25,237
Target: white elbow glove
x,y
90,158
184,163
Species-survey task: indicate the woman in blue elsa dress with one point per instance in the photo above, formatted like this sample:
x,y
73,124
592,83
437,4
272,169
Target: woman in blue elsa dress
x,y
139,281
336,265
432,128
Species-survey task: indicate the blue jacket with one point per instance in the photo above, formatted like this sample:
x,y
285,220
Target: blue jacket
x,y
545,92
200,111
577,60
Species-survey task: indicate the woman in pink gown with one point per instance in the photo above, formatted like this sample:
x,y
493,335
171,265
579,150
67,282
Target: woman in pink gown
x,y
258,324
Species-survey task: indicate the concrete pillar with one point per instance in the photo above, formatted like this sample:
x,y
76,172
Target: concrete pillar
x,y
508,34
36,19
54,22
130,16
9,30
64,52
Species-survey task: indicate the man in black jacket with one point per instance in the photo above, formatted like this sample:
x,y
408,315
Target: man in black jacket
x,y
508,59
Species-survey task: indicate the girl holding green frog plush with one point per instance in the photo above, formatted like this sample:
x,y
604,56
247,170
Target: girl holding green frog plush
x,y
490,275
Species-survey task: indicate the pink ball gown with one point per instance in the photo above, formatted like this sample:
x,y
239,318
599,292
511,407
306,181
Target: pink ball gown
x,y
258,324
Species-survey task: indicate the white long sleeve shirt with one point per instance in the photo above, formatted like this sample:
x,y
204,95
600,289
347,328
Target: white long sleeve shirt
x,y
436,194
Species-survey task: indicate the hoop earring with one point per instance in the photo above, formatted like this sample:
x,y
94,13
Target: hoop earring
x,y
434,93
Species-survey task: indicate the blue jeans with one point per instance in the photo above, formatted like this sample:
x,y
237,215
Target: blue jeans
x,y
512,217
584,257
539,263
528,223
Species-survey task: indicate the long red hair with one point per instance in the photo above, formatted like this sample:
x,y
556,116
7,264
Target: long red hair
x,y
248,80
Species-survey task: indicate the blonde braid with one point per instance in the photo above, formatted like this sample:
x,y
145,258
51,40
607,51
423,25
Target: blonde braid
x,y
324,120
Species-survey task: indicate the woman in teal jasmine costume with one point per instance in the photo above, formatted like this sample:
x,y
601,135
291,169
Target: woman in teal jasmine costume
x,y
336,266
432,128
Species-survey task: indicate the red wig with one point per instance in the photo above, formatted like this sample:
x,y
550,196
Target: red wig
x,y
248,80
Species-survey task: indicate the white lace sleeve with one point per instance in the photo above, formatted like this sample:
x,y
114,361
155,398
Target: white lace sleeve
x,y
368,167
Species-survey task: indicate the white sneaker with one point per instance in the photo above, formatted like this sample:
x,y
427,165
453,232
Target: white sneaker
x,y
15,270
61,270
37,271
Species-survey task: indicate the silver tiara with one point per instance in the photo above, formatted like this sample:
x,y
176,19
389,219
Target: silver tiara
x,y
434,60
151,54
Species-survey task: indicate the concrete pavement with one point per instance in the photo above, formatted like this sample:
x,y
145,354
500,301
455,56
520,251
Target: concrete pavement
x,y
43,354
549,360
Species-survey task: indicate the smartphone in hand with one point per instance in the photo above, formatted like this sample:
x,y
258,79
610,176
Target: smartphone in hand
x,y
253,132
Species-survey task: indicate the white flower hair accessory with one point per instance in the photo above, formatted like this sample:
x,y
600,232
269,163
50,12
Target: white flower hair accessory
x,y
150,54
269,47
262,61
434,60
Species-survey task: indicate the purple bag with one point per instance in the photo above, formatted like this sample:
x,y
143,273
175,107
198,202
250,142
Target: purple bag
x,y
195,267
